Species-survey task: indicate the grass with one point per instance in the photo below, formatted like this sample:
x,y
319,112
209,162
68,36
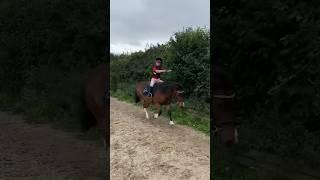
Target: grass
x,y
122,96
46,111
196,120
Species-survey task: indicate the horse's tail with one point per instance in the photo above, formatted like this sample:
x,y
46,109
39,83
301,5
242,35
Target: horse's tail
x,y
136,97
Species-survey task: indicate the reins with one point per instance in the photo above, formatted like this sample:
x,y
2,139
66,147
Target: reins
x,y
218,126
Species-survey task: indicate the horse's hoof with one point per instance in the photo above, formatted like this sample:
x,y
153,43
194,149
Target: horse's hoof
x,y
156,116
171,123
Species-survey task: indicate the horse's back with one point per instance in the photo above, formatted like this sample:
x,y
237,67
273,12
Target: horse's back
x,y
166,86
142,83
162,87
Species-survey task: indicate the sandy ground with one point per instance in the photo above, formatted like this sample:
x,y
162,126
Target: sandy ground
x,y
40,152
151,149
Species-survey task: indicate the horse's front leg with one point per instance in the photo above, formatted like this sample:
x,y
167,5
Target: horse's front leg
x,y
102,123
145,106
158,107
169,113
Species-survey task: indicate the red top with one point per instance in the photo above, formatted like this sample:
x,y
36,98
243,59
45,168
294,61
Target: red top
x,y
154,73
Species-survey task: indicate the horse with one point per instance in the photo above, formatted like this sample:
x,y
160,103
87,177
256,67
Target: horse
x,y
222,111
97,100
164,94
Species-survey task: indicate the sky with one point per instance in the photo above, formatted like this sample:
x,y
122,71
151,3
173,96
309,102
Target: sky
x,y
136,23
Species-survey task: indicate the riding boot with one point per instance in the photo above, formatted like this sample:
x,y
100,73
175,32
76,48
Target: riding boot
x,y
151,91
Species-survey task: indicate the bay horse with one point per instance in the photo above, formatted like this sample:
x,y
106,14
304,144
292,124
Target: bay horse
x,y
223,102
97,100
164,94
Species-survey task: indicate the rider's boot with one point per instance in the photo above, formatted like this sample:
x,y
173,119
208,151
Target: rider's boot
x,y
151,91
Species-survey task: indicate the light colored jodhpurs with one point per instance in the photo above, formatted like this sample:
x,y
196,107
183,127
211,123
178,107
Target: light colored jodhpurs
x,y
153,81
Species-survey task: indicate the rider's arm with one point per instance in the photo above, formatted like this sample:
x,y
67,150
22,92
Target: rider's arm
x,y
161,71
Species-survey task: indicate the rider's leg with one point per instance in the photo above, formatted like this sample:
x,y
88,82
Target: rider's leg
x,y
152,82
156,81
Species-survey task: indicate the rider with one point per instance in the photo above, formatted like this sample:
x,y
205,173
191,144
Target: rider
x,y
156,70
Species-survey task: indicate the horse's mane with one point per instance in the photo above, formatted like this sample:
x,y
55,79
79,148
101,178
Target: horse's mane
x,y
167,86
221,73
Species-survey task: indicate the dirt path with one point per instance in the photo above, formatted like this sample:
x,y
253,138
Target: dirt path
x,y
40,152
151,149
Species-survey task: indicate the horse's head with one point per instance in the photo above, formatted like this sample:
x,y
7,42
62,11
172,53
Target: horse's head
x,y
223,117
179,95
223,111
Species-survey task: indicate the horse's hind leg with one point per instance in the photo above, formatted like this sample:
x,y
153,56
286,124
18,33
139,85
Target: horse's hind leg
x,y
158,106
169,113
145,106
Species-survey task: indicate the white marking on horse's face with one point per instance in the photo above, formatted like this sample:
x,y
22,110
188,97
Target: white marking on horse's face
x,y
171,123
156,115
147,115
180,104
217,129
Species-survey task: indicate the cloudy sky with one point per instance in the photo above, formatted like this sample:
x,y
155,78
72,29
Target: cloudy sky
x,y
134,23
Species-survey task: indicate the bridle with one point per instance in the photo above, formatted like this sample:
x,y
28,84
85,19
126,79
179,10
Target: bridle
x,y
178,92
224,96
216,127
225,92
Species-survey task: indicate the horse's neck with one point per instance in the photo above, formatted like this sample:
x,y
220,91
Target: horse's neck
x,y
171,95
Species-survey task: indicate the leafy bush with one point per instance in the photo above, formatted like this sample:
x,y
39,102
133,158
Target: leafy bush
x,y
46,49
272,50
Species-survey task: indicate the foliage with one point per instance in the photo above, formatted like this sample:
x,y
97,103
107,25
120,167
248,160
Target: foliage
x,y
272,49
46,50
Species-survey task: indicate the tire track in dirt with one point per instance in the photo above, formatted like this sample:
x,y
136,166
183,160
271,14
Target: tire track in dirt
x,y
151,149
31,152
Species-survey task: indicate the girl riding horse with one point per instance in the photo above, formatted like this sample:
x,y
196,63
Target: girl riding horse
x,y
156,71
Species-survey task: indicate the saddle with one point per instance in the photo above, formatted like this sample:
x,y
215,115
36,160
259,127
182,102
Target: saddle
x,y
162,87
146,91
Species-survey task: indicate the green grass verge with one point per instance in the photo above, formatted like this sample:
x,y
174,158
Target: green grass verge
x,y
183,117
